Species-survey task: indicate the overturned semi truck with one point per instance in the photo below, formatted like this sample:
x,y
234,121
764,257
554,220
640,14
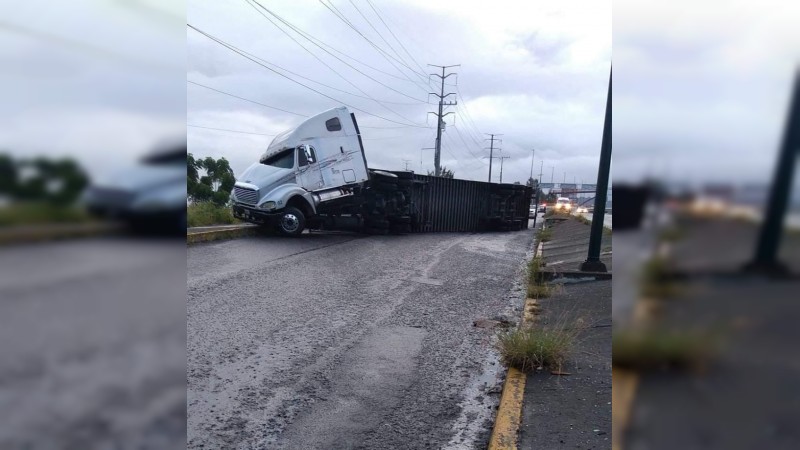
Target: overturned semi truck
x,y
316,177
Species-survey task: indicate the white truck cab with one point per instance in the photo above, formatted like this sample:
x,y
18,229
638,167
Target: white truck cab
x,y
320,160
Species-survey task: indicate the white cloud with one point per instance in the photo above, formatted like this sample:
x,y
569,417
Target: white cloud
x,y
536,72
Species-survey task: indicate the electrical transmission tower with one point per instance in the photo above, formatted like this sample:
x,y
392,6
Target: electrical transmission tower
x,y
406,161
491,152
440,116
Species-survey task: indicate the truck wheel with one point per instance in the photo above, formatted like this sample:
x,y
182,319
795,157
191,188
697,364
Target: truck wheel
x,y
291,222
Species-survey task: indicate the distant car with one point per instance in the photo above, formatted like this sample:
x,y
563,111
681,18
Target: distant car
x,y
150,195
581,209
532,212
542,207
563,204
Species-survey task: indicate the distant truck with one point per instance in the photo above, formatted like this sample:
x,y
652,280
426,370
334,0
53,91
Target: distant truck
x,y
316,176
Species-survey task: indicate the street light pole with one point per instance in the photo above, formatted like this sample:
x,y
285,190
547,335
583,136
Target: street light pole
x,y
593,263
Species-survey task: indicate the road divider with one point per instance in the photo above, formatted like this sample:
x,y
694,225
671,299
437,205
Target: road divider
x,y
26,234
221,233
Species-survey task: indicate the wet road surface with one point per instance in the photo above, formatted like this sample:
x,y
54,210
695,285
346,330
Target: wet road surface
x,y
92,344
348,341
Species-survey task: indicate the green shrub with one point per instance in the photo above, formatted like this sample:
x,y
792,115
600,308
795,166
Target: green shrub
x,y
527,349
202,214
40,213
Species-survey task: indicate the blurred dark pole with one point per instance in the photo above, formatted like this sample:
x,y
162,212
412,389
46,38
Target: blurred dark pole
x,y
593,263
769,239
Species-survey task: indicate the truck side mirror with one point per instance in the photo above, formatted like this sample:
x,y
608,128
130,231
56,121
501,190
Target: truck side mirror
x,y
309,156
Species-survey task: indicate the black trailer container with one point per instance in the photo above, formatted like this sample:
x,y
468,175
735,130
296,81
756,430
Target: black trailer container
x,y
447,204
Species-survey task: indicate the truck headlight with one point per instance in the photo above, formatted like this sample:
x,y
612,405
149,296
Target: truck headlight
x,y
267,205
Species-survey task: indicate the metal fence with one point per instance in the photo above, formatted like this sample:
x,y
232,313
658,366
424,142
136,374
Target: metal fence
x,y
447,204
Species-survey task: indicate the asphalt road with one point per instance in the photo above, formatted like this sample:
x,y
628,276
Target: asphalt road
x,y
92,344
346,341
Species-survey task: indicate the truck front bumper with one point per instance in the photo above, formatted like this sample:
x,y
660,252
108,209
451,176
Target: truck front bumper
x,y
254,215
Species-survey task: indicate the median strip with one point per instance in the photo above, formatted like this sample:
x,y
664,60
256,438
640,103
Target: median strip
x,y
25,234
228,232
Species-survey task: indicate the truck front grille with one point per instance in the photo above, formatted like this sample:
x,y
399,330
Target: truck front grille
x,y
246,196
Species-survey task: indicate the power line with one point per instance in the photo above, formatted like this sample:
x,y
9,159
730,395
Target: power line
x,y
320,83
384,40
286,111
241,53
382,52
86,48
422,70
231,131
303,34
466,112
310,37
245,99
326,64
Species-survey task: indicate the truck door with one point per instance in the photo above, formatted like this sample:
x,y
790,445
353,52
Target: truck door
x,y
308,173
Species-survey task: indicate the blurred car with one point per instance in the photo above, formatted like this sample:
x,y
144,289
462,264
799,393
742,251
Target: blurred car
x,y
148,196
563,204
542,207
532,212
581,209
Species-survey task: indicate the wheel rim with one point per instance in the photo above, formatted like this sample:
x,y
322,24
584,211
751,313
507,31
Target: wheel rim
x,y
290,222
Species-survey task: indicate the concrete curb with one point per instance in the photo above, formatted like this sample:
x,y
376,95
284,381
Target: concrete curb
x,y
47,233
218,235
509,412
624,383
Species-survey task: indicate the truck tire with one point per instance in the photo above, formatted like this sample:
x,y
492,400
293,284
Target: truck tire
x,y
291,222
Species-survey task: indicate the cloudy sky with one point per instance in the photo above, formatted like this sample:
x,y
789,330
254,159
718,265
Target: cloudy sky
x,y
103,82
701,89
535,72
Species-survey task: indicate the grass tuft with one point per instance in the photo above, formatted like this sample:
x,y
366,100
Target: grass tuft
x,y
655,282
203,214
663,349
539,290
583,220
528,349
672,234
545,234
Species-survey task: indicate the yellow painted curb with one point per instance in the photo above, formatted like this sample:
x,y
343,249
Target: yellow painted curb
x,y
509,413
216,235
623,392
624,383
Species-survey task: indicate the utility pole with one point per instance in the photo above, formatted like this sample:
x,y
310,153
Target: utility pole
x,y
552,172
538,188
501,158
491,152
440,117
406,161
533,154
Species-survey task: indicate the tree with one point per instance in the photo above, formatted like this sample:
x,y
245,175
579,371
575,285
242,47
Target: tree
x,y
8,176
444,173
59,181
217,183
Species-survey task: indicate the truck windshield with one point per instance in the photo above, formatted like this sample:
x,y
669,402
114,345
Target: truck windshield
x,y
283,159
